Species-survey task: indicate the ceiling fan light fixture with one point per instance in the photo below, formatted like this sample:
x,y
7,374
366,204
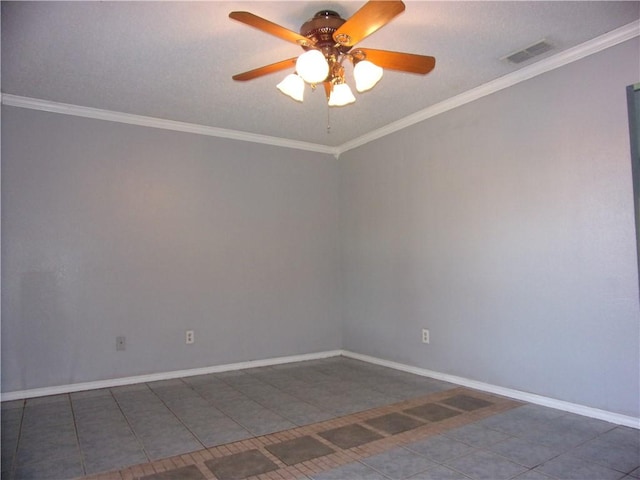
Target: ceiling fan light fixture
x,y
366,75
312,66
292,86
341,95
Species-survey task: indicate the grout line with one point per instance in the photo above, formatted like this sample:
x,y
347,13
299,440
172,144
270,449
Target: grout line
x,y
129,424
75,429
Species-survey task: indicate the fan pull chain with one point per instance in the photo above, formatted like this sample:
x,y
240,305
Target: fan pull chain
x,y
328,119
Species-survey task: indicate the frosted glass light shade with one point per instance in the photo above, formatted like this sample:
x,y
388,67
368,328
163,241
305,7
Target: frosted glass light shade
x,y
341,95
312,66
293,86
366,75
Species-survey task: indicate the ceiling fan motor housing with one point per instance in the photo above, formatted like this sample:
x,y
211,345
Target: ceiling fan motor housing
x,y
321,28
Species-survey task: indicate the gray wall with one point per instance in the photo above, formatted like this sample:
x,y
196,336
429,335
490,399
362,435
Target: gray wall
x,y
112,229
506,227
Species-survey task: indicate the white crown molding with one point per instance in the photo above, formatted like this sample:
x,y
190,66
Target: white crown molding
x,y
99,114
610,39
565,57
155,377
605,415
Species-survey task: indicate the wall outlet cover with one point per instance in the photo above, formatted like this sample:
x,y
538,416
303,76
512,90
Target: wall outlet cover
x,y
425,335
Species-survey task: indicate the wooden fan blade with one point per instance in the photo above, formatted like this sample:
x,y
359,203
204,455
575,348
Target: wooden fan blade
x,y
404,62
372,16
271,28
266,70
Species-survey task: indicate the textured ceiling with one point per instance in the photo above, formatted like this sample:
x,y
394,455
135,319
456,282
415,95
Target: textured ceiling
x,y
174,60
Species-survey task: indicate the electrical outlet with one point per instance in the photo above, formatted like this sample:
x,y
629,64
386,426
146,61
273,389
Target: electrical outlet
x,y
189,337
120,343
425,335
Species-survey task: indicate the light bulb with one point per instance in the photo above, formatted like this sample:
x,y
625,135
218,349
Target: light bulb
x,y
341,95
366,75
312,66
293,86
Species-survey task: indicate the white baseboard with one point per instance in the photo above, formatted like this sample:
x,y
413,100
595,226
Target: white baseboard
x,y
612,417
607,416
154,377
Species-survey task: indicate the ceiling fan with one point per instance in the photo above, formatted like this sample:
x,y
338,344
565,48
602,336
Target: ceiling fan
x,y
328,41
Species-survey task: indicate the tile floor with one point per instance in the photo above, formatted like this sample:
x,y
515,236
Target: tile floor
x,y
335,418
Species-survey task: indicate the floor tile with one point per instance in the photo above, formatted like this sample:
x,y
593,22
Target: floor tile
x,y
523,452
263,422
178,416
626,436
398,463
299,450
350,436
568,467
440,448
466,402
51,469
476,436
12,405
432,412
394,423
350,471
170,445
485,465
439,472
304,414
112,458
48,400
241,465
190,472
624,458
533,475
220,432
65,447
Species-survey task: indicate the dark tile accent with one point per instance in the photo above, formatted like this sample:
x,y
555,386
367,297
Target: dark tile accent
x,y
299,450
350,436
432,412
241,465
465,402
394,423
183,473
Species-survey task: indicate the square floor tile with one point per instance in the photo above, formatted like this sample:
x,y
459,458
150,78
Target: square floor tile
x,y
399,463
440,472
476,435
570,468
241,465
621,457
184,473
533,475
523,452
432,412
350,471
466,402
440,448
350,436
394,423
299,450
51,469
485,465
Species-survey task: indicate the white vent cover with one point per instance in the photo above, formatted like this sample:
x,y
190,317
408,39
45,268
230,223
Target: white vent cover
x,y
529,52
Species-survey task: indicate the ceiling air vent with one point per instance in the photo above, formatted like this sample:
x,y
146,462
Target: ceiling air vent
x,y
529,52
